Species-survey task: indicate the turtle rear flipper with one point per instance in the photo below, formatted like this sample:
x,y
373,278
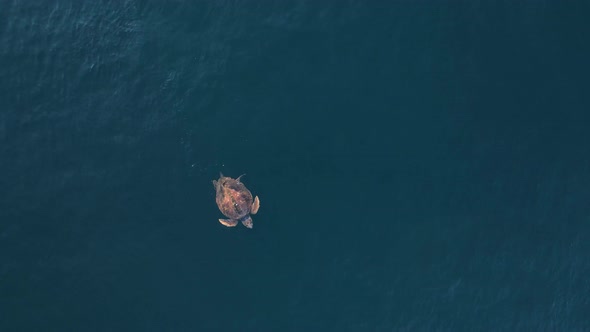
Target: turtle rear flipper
x,y
255,205
247,221
228,222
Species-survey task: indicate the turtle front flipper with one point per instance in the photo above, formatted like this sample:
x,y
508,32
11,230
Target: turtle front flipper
x,y
255,206
228,222
247,221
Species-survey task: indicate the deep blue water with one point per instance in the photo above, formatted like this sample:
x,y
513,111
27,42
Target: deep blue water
x,y
421,165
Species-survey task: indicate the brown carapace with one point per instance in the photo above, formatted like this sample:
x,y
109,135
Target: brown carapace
x,y
235,201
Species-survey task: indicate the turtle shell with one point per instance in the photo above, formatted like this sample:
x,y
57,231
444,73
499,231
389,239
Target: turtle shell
x,y
232,197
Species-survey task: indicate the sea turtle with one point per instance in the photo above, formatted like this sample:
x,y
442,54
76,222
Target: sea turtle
x,y
235,201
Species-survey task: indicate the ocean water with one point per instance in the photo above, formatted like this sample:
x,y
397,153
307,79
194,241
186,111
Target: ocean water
x,y
421,165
